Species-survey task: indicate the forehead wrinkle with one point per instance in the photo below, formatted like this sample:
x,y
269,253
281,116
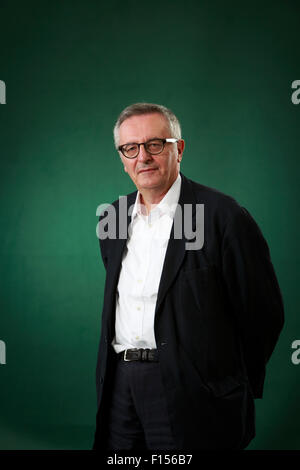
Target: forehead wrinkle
x,y
140,133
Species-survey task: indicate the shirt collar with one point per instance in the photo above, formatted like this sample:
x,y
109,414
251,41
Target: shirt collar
x,y
167,205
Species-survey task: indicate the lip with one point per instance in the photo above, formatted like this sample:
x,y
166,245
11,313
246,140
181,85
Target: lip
x,y
146,170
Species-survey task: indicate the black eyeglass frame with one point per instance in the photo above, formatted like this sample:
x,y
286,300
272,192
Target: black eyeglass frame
x,y
164,141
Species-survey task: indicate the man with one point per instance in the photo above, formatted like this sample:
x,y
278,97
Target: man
x,y
187,327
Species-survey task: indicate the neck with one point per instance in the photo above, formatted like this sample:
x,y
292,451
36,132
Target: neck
x,y
150,200
151,197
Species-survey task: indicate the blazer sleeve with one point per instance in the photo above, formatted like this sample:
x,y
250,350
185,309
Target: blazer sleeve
x,y
254,294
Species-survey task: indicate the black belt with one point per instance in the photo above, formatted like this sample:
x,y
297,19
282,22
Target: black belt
x,y
147,355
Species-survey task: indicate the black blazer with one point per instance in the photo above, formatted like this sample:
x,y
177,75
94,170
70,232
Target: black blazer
x,y
218,316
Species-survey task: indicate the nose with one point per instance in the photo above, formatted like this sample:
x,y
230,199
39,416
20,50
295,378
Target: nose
x,y
143,155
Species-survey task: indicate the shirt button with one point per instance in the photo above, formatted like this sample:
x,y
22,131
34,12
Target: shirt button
x,y
139,281
138,308
137,337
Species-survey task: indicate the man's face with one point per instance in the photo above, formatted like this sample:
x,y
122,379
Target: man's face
x,y
157,172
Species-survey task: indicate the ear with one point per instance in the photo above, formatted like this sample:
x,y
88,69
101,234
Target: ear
x,y
122,162
180,148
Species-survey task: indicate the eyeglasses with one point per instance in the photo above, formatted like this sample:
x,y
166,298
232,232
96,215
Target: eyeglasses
x,y
154,146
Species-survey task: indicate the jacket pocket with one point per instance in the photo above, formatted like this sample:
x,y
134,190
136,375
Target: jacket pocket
x,y
197,273
229,384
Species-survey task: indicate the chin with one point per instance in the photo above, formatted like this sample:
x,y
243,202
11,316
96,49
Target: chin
x,y
146,179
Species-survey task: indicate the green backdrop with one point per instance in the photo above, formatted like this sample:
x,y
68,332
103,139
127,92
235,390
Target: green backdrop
x,y
70,67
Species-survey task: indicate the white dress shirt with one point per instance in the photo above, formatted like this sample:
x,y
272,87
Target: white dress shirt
x,y
141,270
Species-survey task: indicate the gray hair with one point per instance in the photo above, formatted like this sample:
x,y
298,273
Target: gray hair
x,y
137,109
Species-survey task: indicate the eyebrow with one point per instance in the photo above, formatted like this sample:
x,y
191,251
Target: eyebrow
x,y
148,140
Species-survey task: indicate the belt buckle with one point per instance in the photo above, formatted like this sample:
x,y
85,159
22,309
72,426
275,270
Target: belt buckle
x,y
125,352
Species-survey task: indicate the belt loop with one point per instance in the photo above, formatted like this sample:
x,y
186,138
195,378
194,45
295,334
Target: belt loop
x,y
145,354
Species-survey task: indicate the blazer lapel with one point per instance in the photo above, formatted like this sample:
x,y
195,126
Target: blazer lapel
x,y
116,256
176,247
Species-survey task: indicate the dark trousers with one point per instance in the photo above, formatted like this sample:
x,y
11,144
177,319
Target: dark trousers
x,y
137,417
